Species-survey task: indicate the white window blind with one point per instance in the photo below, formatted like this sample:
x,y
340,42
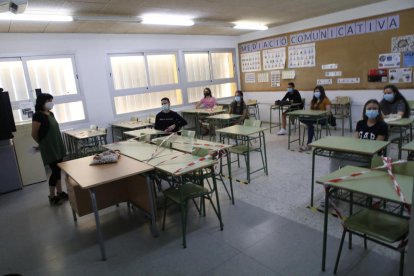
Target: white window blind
x,y
222,65
12,79
128,72
197,67
162,69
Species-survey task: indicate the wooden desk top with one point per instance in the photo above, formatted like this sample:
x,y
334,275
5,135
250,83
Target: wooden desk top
x,y
400,122
139,150
131,124
374,183
308,112
241,130
224,116
350,145
186,144
144,131
409,146
85,133
90,176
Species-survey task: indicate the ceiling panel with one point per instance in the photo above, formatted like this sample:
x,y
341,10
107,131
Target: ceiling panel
x,y
213,17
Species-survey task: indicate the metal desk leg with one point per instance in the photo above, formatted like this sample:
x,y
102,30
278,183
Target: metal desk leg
x,y
313,175
217,199
290,132
248,159
98,224
400,143
154,227
230,177
265,154
343,124
325,228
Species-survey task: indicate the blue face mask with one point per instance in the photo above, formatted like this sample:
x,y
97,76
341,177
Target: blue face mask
x,y
372,113
165,107
237,98
290,90
317,94
389,97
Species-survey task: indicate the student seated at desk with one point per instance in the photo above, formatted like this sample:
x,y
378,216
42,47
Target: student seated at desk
x,y
239,107
319,102
168,120
371,127
293,96
208,102
394,103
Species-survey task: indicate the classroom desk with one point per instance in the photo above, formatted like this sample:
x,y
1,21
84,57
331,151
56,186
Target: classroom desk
x,y
187,144
316,115
246,132
127,126
223,120
348,148
374,184
75,138
113,183
169,161
408,147
144,132
198,113
402,124
281,108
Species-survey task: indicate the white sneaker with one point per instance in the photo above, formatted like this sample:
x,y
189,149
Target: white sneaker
x,y
282,132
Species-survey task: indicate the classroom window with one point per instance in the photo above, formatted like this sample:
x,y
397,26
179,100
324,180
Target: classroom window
x,y
12,79
162,69
218,90
222,65
197,67
144,101
128,72
53,74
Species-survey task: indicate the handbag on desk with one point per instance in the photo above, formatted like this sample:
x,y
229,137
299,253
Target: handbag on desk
x,y
109,156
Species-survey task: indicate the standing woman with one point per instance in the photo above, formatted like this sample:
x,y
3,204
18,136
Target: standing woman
x,y
46,132
239,107
319,102
208,101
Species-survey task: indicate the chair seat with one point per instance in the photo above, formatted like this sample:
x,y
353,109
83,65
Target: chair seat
x,y
382,226
241,149
185,192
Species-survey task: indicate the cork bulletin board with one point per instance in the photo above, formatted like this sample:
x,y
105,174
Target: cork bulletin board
x,y
339,56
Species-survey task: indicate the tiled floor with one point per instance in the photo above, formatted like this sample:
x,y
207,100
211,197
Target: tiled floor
x,y
267,232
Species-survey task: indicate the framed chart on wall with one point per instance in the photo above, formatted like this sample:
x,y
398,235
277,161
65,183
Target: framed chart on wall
x,y
342,55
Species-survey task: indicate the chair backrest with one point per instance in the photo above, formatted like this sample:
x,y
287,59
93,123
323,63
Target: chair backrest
x,y
134,118
188,133
343,99
251,101
252,122
304,102
94,127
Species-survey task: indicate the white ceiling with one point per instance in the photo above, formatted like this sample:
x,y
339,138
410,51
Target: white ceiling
x,y
212,17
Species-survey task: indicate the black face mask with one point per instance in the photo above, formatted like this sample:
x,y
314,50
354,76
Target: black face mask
x,y
206,94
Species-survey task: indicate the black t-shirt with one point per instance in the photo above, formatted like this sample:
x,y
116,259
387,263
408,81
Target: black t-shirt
x,y
295,97
43,119
165,119
238,109
371,133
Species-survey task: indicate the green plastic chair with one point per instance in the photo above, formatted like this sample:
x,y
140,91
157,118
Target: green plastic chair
x,y
188,133
379,227
185,191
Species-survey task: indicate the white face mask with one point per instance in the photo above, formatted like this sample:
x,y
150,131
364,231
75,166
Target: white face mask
x,y
165,107
49,105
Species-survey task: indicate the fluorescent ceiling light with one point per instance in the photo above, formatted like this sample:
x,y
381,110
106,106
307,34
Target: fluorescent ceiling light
x,y
35,17
159,19
250,26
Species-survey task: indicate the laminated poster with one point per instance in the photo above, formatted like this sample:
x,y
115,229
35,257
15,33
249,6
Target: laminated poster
x,y
274,58
408,59
389,60
263,77
323,81
329,66
348,80
402,43
27,110
333,73
250,78
250,62
400,75
302,55
275,78
288,74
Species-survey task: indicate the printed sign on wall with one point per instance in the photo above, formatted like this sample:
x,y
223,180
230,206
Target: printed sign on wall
x,y
302,56
250,62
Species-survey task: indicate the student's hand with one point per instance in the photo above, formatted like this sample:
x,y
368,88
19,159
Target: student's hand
x,y
170,128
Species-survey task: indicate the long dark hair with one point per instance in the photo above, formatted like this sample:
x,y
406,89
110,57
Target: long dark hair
x,y
323,95
379,117
208,90
399,97
41,99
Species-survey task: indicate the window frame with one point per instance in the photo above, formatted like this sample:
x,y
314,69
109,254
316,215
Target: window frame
x,y
62,99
